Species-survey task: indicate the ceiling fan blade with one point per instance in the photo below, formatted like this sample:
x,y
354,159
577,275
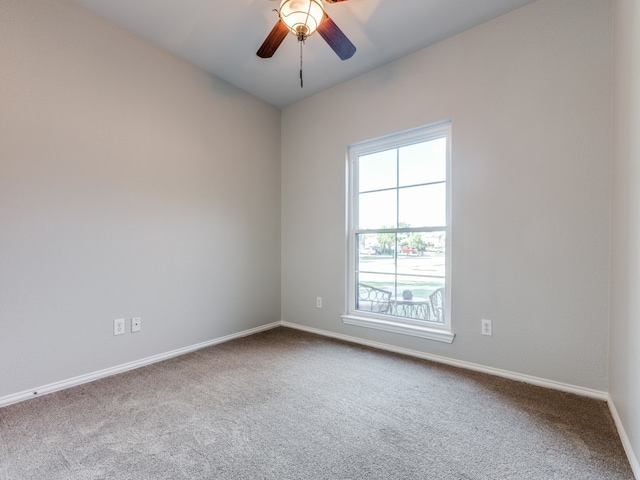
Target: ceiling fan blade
x,y
273,40
337,40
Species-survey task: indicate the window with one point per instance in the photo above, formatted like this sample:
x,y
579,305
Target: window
x,y
398,239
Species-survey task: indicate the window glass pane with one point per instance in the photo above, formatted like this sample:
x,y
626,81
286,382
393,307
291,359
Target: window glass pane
x,y
377,210
370,253
435,242
368,244
421,269
387,243
414,243
378,280
424,206
422,254
424,162
378,171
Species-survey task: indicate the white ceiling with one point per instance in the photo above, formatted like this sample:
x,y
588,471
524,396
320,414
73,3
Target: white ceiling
x,y
222,36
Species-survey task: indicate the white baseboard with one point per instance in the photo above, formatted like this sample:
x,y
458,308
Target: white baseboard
x,y
541,382
90,377
626,443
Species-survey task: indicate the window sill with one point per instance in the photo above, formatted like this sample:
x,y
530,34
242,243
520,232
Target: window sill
x,y
401,328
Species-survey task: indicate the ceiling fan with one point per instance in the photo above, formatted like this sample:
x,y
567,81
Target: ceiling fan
x,y
303,18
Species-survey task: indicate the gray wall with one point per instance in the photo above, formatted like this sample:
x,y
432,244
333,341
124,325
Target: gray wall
x,y
529,95
131,184
624,357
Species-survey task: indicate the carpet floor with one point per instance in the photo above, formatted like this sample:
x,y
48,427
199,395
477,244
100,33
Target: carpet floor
x,y
285,404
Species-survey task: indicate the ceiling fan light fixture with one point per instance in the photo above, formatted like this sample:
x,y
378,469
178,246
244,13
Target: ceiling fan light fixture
x,y
302,17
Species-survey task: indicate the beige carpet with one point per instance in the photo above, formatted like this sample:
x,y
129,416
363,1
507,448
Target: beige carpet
x,y
284,404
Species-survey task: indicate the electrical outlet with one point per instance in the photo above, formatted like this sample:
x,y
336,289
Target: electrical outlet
x,y
318,302
486,327
136,324
118,326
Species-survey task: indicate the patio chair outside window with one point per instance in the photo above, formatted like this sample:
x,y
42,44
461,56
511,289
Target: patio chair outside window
x,y
373,299
437,305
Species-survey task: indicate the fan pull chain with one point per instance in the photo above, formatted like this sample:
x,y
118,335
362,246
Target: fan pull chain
x,y
301,82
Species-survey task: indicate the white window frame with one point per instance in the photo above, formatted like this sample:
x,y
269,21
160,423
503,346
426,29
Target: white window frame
x,y
390,323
